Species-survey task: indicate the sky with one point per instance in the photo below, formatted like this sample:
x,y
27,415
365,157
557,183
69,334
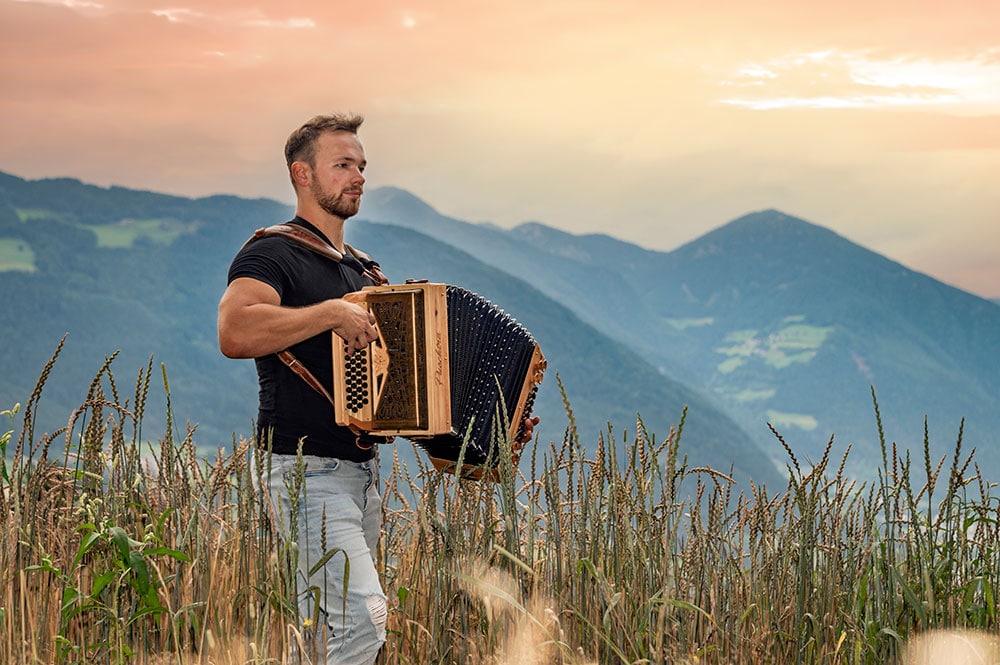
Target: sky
x,y
653,121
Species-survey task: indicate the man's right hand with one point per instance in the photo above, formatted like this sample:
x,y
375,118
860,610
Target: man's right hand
x,y
356,325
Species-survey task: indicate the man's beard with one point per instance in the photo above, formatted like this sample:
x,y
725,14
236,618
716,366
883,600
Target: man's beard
x,y
336,205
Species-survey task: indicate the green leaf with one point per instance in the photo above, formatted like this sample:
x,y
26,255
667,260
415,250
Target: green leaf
x,y
119,538
684,605
86,542
100,582
162,520
137,564
70,596
166,551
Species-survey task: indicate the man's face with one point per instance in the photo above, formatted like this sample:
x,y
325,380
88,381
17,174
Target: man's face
x,y
338,180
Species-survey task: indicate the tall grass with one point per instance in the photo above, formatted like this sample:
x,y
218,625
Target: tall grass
x,y
606,551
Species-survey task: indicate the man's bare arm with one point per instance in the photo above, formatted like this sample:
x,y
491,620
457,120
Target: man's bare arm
x,y
253,323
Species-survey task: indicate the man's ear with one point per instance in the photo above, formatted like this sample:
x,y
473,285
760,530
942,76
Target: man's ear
x,y
301,174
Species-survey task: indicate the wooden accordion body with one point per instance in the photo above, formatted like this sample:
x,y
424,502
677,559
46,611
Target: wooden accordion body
x,y
447,365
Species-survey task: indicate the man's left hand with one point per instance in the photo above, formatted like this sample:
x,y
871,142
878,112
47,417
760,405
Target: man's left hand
x,y
529,429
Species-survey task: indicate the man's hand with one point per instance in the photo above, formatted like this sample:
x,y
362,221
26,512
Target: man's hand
x,y
529,430
355,325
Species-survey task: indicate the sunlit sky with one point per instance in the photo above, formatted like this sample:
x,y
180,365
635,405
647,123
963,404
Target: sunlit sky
x,y
650,120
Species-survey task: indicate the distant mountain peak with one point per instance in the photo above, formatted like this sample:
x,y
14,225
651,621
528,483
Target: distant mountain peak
x,y
767,229
386,202
772,218
539,231
536,231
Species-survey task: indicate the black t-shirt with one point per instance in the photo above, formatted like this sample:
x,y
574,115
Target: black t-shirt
x,y
289,408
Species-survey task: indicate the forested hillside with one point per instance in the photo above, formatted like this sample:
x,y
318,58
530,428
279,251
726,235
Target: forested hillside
x,y
140,274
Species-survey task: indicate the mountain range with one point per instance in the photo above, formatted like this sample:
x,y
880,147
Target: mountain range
x,y
768,319
776,320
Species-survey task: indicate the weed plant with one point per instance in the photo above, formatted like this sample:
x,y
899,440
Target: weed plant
x,y
606,551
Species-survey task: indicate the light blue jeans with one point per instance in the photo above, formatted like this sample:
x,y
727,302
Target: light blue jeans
x,y
352,632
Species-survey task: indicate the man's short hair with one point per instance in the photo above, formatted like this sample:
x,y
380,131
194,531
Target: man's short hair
x,y
301,145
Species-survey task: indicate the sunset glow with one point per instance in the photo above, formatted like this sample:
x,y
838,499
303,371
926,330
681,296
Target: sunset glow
x,y
652,121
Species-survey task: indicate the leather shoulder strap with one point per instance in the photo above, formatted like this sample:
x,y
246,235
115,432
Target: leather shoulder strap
x,y
301,235
372,268
303,372
365,265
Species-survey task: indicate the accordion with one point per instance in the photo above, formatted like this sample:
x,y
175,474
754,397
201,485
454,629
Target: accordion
x,y
449,371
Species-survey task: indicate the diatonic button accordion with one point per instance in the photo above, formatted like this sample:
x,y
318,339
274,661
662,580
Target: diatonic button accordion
x,y
449,369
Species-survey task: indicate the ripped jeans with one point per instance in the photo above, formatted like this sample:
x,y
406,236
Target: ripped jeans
x,y
351,630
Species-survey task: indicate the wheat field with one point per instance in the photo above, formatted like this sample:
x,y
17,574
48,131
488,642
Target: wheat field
x,y
608,551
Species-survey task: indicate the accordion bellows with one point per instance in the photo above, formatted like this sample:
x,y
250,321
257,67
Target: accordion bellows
x,y
448,367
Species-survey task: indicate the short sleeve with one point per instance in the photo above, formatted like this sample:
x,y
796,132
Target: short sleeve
x,y
262,260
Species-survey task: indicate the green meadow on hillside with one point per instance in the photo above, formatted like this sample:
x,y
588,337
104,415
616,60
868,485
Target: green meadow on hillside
x,y
15,254
122,233
126,232
794,342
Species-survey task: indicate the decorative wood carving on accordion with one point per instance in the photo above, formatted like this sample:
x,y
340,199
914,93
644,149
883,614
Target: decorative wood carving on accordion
x,y
447,363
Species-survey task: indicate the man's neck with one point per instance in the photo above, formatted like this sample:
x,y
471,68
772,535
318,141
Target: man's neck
x,y
331,225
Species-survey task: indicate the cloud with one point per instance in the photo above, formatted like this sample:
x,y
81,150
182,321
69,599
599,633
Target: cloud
x,y
238,16
178,14
293,23
71,4
252,19
857,79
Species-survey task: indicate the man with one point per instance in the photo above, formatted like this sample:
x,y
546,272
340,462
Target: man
x,y
283,296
